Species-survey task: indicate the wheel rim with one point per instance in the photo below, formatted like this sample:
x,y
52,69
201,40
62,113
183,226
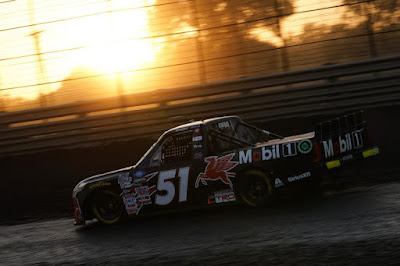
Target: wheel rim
x,y
256,189
107,207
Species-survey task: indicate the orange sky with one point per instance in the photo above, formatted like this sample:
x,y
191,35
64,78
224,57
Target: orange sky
x,y
112,41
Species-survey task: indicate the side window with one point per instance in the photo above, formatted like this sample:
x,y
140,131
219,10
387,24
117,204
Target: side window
x,y
218,142
155,160
177,147
244,133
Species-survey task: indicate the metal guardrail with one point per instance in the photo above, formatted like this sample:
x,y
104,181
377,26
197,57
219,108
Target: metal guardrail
x,y
326,89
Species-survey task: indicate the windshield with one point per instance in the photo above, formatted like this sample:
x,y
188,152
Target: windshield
x,y
148,152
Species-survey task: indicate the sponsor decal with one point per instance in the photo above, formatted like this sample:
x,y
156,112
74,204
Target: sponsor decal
x,y
139,193
139,174
143,195
264,154
187,128
299,177
197,138
217,169
347,158
126,190
100,184
181,129
289,149
304,146
124,180
370,152
276,151
278,182
132,211
224,196
346,143
124,177
198,155
197,146
224,124
137,181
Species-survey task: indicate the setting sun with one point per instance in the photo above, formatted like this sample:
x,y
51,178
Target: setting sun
x,y
107,37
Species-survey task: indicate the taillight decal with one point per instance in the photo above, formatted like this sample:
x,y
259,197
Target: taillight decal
x,y
317,150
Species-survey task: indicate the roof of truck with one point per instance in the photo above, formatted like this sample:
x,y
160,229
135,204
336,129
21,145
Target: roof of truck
x,y
196,124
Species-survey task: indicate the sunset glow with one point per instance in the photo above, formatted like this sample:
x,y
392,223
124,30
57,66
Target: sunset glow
x,y
59,52
107,43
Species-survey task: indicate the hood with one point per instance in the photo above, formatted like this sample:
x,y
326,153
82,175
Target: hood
x,y
105,176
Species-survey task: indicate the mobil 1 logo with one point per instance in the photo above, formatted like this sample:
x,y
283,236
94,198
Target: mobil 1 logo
x,y
349,141
289,149
303,146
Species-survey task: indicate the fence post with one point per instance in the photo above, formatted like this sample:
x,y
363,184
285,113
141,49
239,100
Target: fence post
x,y
199,46
284,56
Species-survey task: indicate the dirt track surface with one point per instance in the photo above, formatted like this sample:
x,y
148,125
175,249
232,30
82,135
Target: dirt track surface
x,y
354,226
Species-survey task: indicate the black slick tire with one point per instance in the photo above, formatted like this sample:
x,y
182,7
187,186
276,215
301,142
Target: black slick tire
x,y
255,188
108,207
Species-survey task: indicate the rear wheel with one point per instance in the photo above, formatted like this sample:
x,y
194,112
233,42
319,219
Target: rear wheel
x,y
108,207
255,188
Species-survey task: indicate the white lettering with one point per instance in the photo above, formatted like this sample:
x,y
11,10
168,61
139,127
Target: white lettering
x,y
328,148
245,156
197,138
289,149
343,146
278,182
299,177
348,138
225,197
357,139
266,154
223,124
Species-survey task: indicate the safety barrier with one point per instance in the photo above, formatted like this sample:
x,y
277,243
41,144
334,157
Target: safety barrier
x,y
326,89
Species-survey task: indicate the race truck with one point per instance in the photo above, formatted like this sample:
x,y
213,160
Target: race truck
x,y
220,161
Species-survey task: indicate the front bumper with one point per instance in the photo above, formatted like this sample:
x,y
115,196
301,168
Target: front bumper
x,y
78,217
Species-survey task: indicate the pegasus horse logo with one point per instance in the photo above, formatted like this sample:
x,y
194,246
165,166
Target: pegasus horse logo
x,y
217,169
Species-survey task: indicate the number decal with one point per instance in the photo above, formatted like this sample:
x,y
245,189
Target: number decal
x,y
166,184
183,183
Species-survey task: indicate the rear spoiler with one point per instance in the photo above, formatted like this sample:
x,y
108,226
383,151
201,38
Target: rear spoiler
x,y
343,139
340,125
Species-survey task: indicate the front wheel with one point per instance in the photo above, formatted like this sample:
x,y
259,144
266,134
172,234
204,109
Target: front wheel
x,y
255,188
108,207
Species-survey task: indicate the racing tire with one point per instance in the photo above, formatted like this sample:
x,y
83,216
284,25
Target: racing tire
x,y
108,207
255,189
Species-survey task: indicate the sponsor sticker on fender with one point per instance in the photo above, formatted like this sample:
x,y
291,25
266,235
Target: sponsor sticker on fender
x,y
224,196
273,152
124,180
217,169
278,182
137,194
299,177
99,184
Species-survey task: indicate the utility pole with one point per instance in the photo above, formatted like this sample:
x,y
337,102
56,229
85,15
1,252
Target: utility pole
x,y
364,8
199,46
284,56
40,70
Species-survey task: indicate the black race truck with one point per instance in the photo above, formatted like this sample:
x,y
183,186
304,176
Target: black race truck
x,y
218,161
